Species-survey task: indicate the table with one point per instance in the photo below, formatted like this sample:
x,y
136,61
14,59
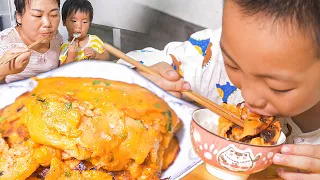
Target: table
x,y
201,173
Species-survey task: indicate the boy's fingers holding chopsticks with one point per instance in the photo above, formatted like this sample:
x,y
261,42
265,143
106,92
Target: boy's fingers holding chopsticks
x,y
166,71
168,79
175,86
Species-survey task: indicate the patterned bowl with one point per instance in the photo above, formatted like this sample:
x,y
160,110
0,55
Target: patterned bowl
x,y
224,158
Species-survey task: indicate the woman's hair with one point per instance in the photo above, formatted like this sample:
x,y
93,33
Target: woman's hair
x,y
73,6
21,5
302,14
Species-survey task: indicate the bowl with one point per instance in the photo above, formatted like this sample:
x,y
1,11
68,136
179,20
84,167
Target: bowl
x,y
225,158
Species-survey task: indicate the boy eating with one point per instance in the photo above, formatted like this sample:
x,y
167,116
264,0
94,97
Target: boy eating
x,y
77,16
267,54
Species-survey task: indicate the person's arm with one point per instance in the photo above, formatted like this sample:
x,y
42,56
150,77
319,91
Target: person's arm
x,y
96,51
185,60
70,58
70,55
104,56
92,54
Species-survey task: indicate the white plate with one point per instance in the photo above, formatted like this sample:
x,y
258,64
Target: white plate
x,y
186,161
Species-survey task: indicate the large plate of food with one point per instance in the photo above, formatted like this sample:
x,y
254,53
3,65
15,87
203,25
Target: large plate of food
x,y
93,120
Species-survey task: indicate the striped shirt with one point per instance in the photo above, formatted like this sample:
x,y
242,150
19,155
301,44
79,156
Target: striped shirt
x,y
94,42
39,62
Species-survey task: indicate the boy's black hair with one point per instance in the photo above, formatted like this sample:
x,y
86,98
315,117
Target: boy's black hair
x,y
21,5
304,14
71,6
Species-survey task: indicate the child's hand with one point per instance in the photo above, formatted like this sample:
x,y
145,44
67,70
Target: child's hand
x,y
17,65
168,80
90,53
73,49
302,157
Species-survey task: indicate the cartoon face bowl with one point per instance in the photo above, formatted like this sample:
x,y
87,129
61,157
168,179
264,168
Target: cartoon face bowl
x,y
224,158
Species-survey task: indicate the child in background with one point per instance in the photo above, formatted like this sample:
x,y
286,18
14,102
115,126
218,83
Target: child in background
x,y
267,54
77,16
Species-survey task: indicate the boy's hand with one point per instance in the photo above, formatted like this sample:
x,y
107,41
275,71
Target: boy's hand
x,y
302,157
73,49
90,53
168,80
18,64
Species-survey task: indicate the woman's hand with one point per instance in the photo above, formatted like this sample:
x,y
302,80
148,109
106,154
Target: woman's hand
x,y
168,79
90,53
18,64
302,157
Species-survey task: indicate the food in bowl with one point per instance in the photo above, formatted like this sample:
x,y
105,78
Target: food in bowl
x,y
257,130
226,158
87,128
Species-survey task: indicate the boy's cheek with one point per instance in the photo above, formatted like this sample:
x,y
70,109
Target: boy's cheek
x,y
235,78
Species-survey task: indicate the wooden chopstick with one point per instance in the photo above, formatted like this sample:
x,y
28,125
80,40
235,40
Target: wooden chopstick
x,y
214,107
18,54
190,94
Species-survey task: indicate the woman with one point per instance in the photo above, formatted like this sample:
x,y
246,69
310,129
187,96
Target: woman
x,y
35,19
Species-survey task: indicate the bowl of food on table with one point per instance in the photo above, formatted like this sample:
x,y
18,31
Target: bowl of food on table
x,y
83,122
233,152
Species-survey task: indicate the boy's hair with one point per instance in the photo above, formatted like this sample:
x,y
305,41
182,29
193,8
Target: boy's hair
x,y
73,6
303,14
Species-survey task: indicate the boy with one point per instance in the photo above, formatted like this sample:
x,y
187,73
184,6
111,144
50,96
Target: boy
x,y
77,16
267,53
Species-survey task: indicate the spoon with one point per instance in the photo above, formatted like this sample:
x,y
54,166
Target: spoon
x,y
75,36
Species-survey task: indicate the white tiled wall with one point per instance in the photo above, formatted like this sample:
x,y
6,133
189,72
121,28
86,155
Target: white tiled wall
x,y
205,13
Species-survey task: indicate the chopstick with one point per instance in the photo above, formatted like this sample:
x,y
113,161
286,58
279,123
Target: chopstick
x,y
190,94
18,54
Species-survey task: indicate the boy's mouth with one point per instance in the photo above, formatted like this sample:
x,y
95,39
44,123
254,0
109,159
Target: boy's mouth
x,y
256,111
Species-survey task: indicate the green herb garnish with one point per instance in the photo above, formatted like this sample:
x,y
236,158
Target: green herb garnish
x,y
45,103
40,99
107,83
67,174
2,119
169,125
157,105
123,136
71,93
111,159
167,114
68,106
96,82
